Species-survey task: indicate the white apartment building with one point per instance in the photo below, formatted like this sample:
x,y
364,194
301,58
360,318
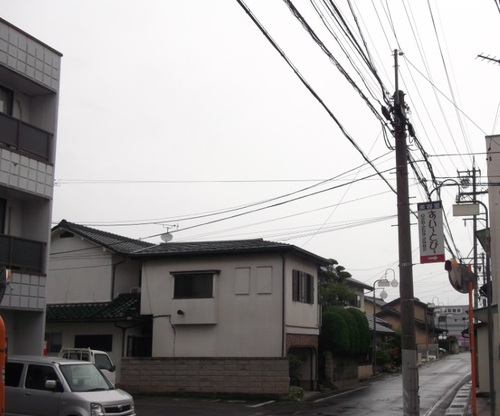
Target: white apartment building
x,y
29,95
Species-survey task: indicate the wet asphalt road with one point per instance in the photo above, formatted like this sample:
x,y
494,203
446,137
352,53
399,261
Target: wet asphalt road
x,y
438,381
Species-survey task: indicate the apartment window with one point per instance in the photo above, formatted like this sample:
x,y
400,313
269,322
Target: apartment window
x,y
193,285
302,287
3,214
6,100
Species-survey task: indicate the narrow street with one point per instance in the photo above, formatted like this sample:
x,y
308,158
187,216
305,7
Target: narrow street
x,y
381,397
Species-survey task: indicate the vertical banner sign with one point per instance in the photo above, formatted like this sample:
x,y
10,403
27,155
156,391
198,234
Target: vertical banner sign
x,y
430,226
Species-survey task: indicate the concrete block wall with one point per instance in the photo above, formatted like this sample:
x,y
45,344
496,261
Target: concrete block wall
x,y
246,376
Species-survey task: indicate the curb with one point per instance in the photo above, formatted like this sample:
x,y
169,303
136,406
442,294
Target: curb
x,y
461,403
438,407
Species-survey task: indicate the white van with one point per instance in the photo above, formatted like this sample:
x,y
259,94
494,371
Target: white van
x,y
55,386
99,358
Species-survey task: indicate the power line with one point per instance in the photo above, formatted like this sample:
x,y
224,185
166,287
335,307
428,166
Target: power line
x,y
310,89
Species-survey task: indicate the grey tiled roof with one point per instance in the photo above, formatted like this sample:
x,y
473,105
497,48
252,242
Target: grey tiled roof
x,y
172,249
137,248
112,242
381,325
124,306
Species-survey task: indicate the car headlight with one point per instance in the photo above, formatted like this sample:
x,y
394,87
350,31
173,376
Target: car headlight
x,y
96,409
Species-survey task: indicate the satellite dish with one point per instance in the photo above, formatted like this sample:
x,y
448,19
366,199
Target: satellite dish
x,y
166,237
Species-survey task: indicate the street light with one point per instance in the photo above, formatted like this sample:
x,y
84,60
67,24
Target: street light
x,y
383,283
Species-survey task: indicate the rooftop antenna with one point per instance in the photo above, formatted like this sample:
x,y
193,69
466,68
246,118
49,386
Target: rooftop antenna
x,y
166,237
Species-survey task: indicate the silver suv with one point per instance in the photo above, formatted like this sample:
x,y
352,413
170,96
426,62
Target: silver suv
x,y
54,386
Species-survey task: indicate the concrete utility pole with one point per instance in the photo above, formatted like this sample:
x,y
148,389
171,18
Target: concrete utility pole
x,y
411,402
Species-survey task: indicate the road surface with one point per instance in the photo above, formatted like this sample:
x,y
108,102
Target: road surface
x,y
438,382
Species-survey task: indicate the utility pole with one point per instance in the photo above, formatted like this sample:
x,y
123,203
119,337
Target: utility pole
x,y
411,401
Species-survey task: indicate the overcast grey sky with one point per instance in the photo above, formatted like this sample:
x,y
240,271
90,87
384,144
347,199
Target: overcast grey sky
x,y
174,111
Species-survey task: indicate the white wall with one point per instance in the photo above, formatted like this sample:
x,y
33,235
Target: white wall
x,y
300,317
79,271
127,274
247,309
70,329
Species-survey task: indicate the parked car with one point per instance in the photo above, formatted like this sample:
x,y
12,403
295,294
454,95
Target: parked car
x,y
99,358
55,386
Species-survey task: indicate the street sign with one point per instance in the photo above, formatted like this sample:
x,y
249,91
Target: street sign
x,y
430,226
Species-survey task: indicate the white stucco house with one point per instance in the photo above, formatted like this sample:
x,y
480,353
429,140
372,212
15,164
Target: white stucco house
x,y
223,315
245,299
93,293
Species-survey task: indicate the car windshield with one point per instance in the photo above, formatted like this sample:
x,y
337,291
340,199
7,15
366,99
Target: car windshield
x,y
85,377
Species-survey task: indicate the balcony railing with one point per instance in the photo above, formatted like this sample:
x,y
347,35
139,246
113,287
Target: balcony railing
x,y
25,138
21,254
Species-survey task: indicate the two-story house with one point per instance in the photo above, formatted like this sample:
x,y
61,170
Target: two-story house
x,y
226,314
425,332
93,293
221,316
29,95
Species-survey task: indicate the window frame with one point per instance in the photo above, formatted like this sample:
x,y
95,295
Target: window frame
x,y
189,280
302,287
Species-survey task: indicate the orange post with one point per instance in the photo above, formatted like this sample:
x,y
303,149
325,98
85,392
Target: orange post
x,y
472,352
3,359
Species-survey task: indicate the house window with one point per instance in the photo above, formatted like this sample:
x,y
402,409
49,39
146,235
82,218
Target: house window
x,y
356,302
54,342
193,285
302,287
95,342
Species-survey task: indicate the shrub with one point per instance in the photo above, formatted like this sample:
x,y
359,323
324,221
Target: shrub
x,y
335,332
295,393
364,332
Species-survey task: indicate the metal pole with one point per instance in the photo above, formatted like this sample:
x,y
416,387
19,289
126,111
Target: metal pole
x,y
374,334
489,297
411,405
472,349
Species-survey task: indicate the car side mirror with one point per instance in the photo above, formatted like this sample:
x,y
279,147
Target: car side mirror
x,y
50,384
53,385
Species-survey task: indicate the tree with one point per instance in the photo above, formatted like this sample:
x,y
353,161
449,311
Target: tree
x,y
332,288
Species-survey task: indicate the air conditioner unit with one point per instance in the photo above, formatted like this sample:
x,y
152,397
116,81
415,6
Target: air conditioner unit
x,y
136,289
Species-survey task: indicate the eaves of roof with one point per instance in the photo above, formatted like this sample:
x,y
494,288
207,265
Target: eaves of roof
x,y
123,307
112,242
355,282
205,248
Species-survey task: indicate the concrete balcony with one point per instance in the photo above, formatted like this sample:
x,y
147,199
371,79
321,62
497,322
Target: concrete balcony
x,y
20,254
26,139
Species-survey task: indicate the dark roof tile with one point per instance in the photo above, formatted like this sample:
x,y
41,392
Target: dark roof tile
x,y
122,307
112,242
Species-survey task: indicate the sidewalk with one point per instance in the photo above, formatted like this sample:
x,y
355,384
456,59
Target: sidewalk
x,y
482,406
462,403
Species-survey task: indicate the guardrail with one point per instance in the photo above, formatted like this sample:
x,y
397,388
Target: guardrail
x,y
21,254
25,138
